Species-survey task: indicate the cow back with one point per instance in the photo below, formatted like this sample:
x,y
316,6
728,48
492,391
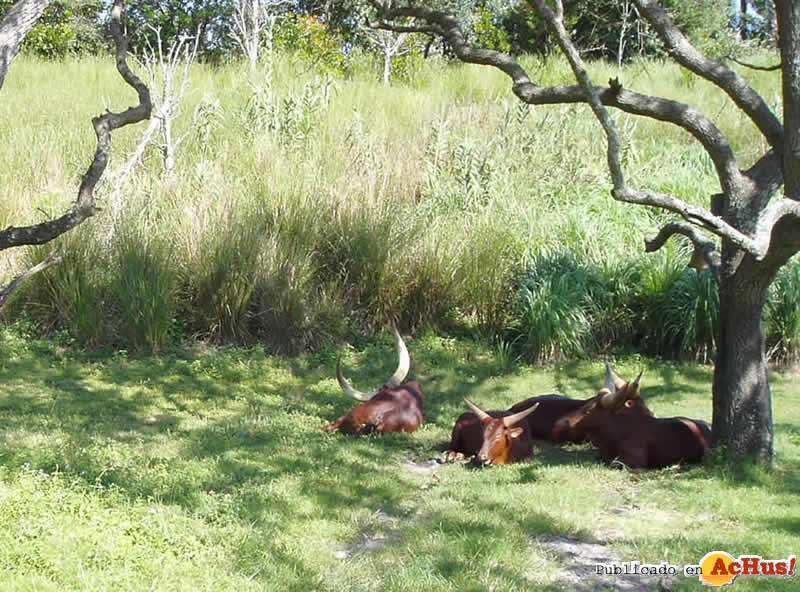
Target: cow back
x,y
551,421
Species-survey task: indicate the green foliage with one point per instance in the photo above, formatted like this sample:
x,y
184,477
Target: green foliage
x,y
312,41
566,307
556,302
490,34
688,317
612,29
145,287
181,18
72,295
66,27
224,278
309,208
783,314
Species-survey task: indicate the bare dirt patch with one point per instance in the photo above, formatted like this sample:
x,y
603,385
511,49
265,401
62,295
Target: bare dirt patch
x,y
579,574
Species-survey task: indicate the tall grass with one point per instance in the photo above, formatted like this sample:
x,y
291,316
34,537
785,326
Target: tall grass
x,y
783,314
310,207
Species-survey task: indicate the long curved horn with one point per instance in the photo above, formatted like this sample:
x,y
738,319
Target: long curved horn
x,y
511,420
347,388
403,363
613,382
477,410
610,399
633,389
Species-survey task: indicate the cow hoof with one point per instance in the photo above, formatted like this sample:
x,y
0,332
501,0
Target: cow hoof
x,y
455,457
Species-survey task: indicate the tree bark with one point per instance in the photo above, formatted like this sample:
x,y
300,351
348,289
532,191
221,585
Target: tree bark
x,y
742,400
17,23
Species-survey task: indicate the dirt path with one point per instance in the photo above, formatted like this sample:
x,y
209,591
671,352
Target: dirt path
x,y
579,559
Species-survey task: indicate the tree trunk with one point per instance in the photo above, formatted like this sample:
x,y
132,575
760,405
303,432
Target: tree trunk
x,y
19,20
387,66
742,408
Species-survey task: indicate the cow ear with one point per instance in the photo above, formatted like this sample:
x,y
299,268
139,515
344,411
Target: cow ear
x,y
515,432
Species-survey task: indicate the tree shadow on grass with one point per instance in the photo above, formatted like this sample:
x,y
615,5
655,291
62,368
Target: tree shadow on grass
x,y
258,441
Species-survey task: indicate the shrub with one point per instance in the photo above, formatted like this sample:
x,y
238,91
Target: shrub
x,y
145,283
688,317
556,303
73,294
782,315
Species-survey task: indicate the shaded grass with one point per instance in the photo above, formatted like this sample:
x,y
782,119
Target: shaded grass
x,y
205,469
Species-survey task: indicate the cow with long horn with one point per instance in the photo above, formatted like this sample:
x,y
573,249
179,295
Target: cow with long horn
x,y
619,423
395,407
551,420
492,437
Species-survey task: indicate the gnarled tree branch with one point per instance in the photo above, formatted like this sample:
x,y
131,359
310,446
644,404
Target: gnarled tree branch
x,y
735,60
701,127
104,125
668,111
84,206
747,99
702,243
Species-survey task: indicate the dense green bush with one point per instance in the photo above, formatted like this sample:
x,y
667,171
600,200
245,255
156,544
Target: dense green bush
x,y
783,315
67,27
688,317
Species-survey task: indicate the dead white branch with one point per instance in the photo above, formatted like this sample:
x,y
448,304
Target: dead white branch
x,y
253,20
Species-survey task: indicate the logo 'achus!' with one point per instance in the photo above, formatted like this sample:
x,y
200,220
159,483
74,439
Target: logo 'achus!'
x,y
719,568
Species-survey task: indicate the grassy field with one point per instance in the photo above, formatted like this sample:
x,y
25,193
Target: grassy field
x,y
205,469
308,208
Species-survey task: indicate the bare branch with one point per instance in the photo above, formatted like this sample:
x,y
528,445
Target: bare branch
x,y
448,27
250,19
416,28
704,246
732,180
699,216
8,290
104,125
690,119
556,23
736,87
753,66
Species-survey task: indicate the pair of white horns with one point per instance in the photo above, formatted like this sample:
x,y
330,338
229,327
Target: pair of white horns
x,y
618,389
508,420
395,380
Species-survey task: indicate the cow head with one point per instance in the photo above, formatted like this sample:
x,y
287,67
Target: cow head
x,y
395,380
500,435
617,397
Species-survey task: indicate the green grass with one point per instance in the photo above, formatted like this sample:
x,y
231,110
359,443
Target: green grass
x,y
204,469
311,209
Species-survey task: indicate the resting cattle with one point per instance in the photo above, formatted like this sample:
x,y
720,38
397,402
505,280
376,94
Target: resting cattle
x,y
551,420
619,423
396,407
493,437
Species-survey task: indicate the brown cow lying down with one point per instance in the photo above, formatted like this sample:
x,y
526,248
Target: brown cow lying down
x,y
619,423
493,437
396,407
551,420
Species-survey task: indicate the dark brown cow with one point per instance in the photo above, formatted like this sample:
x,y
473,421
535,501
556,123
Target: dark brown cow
x,y
396,407
619,423
551,420
493,437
